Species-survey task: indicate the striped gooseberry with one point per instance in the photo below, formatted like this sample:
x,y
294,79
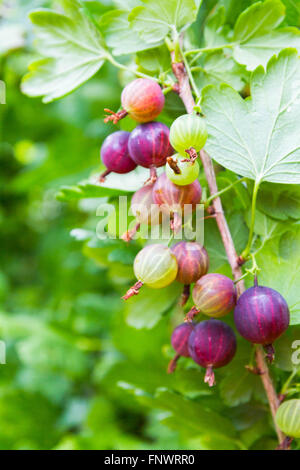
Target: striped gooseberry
x,y
188,131
261,316
212,344
181,171
155,266
142,99
288,417
176,200
179,340
214,295
115,154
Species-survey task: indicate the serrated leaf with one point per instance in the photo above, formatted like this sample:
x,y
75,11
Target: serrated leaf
x,y
255,36
116,30
156,18
258,137
146,309
73,52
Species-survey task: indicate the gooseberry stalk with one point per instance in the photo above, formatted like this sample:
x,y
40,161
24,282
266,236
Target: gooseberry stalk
x,y
186,96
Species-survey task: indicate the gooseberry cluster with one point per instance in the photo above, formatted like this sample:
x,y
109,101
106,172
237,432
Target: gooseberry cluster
x,y
261,314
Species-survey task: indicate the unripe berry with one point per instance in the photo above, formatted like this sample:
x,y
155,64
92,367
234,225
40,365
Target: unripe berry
x,y
149,144
261,316
288,417
179,340
180,171
212,344
214,295
155,266
115,154
192,260
188,131
143,99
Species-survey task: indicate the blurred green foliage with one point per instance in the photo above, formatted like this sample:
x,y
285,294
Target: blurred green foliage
x,y
84,371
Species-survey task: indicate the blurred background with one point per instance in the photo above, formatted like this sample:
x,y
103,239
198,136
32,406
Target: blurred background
x,y
83,370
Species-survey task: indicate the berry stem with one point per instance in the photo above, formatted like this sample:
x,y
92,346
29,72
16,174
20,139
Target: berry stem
x,y
114,117
153,176
104,175
185,295
134,290
210,377
185,94
128,236
173,363
191,314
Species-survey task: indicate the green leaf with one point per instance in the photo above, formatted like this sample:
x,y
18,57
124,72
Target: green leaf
x,y
72,48
113,186
256,38
116,30
292,12
192,417
285,255
156,18
155,60
239,385
279,201
146,309
258,137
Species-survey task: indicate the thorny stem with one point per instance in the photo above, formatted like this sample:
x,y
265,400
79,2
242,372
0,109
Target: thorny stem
x,y
188,100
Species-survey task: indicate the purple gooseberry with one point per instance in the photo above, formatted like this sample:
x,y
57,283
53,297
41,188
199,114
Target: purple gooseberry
x,y
212,344
115,154
261,316
149,146
179,340
193,262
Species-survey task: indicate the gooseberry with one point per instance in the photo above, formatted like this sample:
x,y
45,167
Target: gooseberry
x,y
188,131
181,171
212,344
261,316
288,417
149,145
144,210
176,200
156,266
214,295
142,99
193,262
115,155
179,340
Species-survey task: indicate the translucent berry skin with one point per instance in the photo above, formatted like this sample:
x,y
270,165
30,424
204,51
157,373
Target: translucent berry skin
x,y
188,131
212,343
189,171
143,207
156,266
115,153
288,417
171,196
214,295
180,338
261,315
192,260
149,144
143,99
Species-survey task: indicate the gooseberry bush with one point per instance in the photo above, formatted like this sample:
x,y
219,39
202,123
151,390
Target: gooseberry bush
x,y
209,115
